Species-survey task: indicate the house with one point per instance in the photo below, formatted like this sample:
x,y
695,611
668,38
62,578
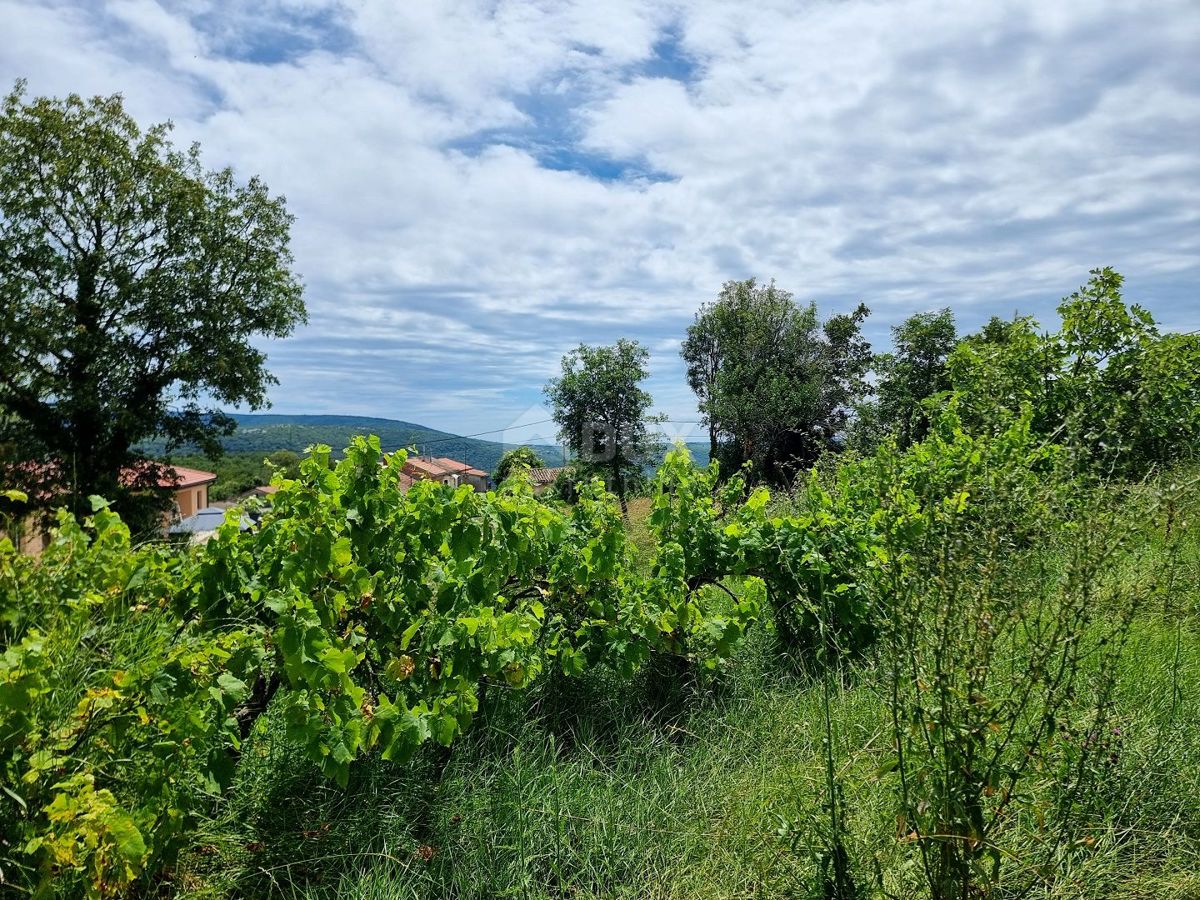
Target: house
x,y
448,471
189,487
543,478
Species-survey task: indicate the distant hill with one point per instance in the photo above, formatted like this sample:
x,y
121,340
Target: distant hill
x,y
262,434
266,433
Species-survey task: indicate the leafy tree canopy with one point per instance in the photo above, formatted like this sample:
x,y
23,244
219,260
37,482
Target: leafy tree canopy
x,y
914,371
775,385
133,282
515,459
602,411
1108,383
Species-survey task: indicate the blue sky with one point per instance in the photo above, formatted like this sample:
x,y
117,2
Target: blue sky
x,y
479,186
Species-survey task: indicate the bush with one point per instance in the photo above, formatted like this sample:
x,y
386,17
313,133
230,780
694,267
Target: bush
x,y
1003,628
118,721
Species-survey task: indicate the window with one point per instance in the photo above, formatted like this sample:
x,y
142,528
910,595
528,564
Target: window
x,y
199,502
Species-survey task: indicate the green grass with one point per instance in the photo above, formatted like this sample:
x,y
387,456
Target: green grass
x,y
584,792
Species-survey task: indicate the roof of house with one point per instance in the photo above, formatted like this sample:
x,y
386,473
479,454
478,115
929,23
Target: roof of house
x,y
404,479
543,476
208,519
438,466
172,477
187,478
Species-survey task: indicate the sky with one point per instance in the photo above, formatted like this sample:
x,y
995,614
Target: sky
x,y
480,186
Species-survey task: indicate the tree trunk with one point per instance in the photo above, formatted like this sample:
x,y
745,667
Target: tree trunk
x,y
619,488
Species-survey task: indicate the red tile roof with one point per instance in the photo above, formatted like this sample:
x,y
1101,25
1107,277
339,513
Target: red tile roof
x,y
544,476
171,477
439,466
186,478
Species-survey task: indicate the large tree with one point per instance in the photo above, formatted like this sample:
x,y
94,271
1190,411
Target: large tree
x,y
602,411
132,284
774,383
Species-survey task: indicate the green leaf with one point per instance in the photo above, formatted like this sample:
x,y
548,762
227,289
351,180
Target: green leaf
x,y
127,838
339,661
15,796
889,764
409,633
232,686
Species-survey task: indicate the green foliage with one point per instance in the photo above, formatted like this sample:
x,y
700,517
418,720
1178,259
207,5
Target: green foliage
x,y
913,372
1108,384
388,610
13,504
981,587
570,789
116,719
821,561
775,385
811,564
514,460
238,473
380,616
994,647
566,484
700,529
132,282
602,412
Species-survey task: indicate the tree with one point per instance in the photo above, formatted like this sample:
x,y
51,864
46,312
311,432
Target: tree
x,y
132,282
774,384
701,352
602,412
285,461
517,458
1108,384
914,371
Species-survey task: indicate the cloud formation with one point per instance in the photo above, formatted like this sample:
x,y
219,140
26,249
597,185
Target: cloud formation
x,y
481,185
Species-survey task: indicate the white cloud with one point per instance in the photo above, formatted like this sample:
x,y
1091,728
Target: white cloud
x,y
481,184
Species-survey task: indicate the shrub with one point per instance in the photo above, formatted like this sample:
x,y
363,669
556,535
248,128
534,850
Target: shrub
x,y
117,721
1003,626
